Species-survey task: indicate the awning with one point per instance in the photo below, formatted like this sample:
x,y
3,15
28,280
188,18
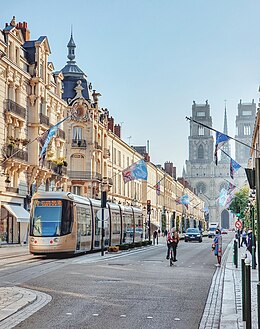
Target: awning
x,y
19,212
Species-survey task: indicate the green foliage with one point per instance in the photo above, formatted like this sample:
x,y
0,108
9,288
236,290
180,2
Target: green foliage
x,y
239,203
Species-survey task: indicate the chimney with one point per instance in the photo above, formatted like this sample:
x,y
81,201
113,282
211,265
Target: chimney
x,y
170,169
118,130
24,28
111,124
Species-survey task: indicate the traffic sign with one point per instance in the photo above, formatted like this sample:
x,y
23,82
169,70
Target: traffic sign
x,y
238,224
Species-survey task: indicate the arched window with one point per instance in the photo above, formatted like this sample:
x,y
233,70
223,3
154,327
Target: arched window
x,y
200,152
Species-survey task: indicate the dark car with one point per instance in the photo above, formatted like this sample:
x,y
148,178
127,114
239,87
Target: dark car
x,y
193,234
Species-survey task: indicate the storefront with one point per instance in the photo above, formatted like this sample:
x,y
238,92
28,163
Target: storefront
x,y
14,223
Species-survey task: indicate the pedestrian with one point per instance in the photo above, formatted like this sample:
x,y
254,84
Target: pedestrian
x,y
159,232
165,232
217,246
251,242
155,237
244,238
173,239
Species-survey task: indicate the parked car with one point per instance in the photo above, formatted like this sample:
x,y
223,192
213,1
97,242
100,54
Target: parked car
x,y
193,234
224,231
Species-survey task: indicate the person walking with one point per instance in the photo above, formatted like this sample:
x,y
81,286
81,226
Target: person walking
x,y
155,237
251,242
217,246
244,235
173,239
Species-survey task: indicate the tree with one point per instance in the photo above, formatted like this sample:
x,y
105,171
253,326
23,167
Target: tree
x,y
239,203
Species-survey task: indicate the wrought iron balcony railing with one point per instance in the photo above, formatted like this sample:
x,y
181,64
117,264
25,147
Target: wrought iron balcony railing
x,y
11,106
97,146
61,133
12,189
89,175
79,143
44,120
16,153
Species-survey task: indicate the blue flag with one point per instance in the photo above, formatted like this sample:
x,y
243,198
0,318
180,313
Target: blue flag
x,y
137,170
234,166
221,139
51,132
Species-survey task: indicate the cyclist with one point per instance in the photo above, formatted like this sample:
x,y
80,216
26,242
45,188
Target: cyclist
x,y
172,241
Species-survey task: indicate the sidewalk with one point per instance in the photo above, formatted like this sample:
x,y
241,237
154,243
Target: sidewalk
x,y
223,308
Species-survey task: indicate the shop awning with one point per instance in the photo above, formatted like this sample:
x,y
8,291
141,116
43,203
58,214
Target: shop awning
x,y
19,212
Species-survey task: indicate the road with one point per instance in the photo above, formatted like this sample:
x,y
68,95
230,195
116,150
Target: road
x,y
136,289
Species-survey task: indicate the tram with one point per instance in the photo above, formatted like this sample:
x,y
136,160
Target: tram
x,y
62,222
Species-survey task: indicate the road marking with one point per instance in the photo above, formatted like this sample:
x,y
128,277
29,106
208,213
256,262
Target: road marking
x,y
149,317
95,314
122,316
177,319
68,313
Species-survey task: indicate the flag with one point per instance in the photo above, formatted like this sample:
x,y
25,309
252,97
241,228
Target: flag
x,y
51,132
158,188
223,197
137,170
183,200
234,166
221,139
231,187
41,140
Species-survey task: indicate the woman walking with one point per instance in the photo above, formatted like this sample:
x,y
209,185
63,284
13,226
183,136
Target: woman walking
x,y
217,246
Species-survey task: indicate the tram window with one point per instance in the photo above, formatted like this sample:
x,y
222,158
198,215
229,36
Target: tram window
x,y
51,218
84,221
116,222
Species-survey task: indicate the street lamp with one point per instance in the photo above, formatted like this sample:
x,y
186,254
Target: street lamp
x,y
252,218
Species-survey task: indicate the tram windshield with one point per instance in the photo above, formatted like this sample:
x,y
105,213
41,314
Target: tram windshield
x,y
51,218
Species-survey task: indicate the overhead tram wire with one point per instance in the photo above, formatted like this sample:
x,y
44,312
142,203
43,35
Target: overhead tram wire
x,y
210,128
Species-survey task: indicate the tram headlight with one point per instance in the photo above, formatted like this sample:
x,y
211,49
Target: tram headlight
x,y
32,239
56,239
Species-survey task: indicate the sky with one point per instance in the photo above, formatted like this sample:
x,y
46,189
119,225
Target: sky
x,y
151,58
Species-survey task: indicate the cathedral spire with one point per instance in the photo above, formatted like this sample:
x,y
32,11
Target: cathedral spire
x,y
226,146
71,48
225,131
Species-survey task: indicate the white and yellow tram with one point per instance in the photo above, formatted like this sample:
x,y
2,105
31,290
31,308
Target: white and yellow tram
x,y
62,222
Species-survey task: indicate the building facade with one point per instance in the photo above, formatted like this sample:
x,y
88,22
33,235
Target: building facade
x,y
86,154
202,172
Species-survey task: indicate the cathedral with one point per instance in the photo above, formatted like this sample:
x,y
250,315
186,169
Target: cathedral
x,y
202,173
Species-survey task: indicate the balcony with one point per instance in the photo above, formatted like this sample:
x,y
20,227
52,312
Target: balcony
x,y
61,133
57,169
106,153
11,106
97,146
88,175
16,153
44,120
12,189
79,143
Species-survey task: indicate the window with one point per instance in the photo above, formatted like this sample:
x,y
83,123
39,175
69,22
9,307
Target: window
x,y
76,190
200,152
77,133
200,114
248,112
247,129
200,131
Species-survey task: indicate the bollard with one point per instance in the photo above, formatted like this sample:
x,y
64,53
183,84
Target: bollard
x,y
235,252
243,287
248,315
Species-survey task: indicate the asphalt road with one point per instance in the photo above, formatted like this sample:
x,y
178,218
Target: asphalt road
x,y
132,290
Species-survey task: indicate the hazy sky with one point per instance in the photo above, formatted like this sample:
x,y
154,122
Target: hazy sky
x,y
151,58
